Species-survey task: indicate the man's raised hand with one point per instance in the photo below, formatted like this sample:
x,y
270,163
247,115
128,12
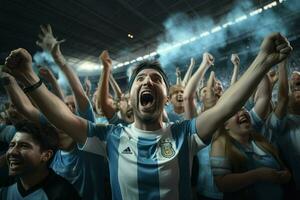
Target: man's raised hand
x,y
178,72
105,59
235,59
19,64
274,49
208,59
19,60
46,39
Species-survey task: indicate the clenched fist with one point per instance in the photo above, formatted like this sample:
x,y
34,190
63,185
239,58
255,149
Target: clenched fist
x,y
19,64
106,61
208,59
19,60
274,49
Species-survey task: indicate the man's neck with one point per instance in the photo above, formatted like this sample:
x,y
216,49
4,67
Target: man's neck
x,y
178,109
32,179
148,125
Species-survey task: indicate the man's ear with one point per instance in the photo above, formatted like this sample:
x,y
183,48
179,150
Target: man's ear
x,y
46,155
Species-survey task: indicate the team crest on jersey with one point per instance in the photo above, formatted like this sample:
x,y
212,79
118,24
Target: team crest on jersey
x,y
167,150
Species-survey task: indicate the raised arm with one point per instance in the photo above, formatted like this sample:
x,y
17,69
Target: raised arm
x,y
103,100
19,64
262,98
236,67
178,76
273,77
49,76
273,50
117,90
81,98
188,73
191,87
87,86
210,98
283,90
19,99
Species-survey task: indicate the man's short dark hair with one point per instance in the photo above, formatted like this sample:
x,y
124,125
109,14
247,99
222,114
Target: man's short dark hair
x,y
44,135
148,64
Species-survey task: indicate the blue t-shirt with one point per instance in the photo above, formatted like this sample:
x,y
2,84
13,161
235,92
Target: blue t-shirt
x,y
174,117
147,164
83,170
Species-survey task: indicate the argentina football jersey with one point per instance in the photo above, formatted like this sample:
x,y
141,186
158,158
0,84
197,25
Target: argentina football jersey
x,y
147,164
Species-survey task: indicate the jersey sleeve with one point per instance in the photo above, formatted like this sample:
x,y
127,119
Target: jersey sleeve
x,y
220,166
187,130
256,121
274,127
88,113
116,120
97,138
275,123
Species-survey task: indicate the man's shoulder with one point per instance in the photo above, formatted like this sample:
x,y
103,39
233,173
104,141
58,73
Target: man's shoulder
x,y
183,123
57,186
8,189
101,130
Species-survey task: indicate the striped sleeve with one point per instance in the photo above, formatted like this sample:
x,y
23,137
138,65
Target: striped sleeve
x,y
256,121
187,130
220,166
88,113
96,138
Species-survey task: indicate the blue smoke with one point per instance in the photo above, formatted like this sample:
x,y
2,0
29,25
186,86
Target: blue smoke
x,y
45,59
182,28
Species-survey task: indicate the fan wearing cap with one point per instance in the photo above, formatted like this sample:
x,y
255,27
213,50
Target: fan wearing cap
x,y
149,159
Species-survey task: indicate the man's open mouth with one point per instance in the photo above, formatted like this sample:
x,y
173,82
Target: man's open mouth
x,y
296,86
179,98
146,99
14,163
244,118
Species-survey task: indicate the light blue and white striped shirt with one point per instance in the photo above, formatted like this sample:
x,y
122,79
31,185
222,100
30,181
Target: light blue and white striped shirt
x,y
147,164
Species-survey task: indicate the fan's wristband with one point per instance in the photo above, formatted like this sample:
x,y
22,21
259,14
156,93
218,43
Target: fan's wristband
x,y
32,87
